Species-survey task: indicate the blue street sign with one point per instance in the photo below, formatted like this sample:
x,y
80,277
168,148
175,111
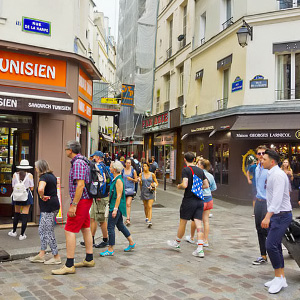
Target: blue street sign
x,y
258,82
36,26
237,85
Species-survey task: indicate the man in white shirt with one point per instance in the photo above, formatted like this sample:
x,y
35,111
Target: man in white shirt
x,y
278,217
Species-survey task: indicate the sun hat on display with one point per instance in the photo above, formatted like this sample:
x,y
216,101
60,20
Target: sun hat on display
x,y
24,164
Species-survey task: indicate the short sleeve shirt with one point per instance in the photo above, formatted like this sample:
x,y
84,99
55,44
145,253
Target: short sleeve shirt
x,y
50,190
80,170
252,171
28,182
187,173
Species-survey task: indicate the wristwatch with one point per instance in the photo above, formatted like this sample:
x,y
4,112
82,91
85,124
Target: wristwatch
x,y
74,204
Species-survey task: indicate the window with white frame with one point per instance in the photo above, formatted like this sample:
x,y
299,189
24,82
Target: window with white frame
x,y
284,4
288,76
181,80
202,28
184,25
168,87
157,104
227,13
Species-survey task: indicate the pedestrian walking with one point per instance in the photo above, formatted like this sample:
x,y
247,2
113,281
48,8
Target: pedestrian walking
x,y
153,165
260,207
138,171
49,207
286,167
148,184
99,207
117,209
205,165
130,178
22,199
78,214
191,207
278,217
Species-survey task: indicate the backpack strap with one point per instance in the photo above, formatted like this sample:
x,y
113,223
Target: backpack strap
x,y
192,170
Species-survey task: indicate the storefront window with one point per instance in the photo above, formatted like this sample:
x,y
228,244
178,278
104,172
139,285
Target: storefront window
x,y
219,156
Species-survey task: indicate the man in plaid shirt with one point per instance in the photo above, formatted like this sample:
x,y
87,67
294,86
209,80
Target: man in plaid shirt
x,y
78,214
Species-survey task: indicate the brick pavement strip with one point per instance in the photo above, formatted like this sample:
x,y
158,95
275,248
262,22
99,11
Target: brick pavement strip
x,y
153,271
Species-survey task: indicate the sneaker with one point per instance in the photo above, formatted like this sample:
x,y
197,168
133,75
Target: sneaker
x,y
85,263
101,245
189,240
269,283
82,244
210,215
173,244
198,253
36,259
13,234
277,284
147,220
149,224
259,261
129,248
205,244
22,237
53,261
64,271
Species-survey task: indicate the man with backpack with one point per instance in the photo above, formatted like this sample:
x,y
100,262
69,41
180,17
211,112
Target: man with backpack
x,y
78,214
137,166
100,204
192,204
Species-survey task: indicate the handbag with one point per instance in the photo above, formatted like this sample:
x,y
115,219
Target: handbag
x,y
129,191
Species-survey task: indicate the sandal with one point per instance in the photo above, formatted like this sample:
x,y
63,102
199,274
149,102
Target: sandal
x,y
107,253
127,222
130,248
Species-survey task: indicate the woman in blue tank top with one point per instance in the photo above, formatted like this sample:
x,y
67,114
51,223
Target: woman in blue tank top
x,y
130,178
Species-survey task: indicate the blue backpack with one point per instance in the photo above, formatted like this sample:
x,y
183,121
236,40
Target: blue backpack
x,y
197,186
109,178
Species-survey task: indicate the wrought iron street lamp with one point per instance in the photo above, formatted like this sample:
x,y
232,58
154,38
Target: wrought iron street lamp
x,y
243,34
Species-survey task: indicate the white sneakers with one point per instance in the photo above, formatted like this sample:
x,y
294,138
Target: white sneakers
x,y
198,253
276,284
173,244
189,240
13,234
22,237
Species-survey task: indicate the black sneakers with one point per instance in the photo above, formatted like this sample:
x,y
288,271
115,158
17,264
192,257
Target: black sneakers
x,y
101,245
259,261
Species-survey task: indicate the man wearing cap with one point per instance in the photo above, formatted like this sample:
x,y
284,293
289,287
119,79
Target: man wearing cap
x,y
98,208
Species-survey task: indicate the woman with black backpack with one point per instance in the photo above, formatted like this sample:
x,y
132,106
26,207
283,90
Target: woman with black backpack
x,y
22,199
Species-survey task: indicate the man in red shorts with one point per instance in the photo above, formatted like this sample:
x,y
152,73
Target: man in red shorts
x,y
78,214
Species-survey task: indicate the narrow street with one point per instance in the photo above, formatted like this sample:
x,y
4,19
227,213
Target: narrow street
x,y
153,271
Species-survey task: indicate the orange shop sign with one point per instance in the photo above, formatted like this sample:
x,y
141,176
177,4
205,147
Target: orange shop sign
x,y
84,109
85,85
32,69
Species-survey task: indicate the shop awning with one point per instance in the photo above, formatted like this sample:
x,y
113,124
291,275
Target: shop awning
x,y
267,122
33,100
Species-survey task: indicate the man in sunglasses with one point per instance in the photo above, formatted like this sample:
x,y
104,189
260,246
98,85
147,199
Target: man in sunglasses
x,y
260,207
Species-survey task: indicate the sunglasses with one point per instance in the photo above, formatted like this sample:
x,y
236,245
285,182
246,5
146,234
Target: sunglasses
x,y
260,153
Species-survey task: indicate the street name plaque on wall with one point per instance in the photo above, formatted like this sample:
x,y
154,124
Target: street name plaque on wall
x,y
258,82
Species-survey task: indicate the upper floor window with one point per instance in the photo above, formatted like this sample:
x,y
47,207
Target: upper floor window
x,y
288,76
227,18
184,25
202,28
181,80
283,4
169,51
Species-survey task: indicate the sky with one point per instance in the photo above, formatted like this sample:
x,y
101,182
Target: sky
x,y
110,8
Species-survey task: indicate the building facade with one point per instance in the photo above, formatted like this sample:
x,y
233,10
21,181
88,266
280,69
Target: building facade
x,y
236,98
46,90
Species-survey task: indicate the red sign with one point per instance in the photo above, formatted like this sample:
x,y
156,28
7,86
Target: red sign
x,y
156,122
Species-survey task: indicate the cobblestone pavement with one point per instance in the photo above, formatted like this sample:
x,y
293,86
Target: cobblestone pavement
x,y
155,272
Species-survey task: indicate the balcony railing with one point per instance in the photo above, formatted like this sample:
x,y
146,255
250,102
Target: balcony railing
x,y
227,23
288,94
169,52
222,104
